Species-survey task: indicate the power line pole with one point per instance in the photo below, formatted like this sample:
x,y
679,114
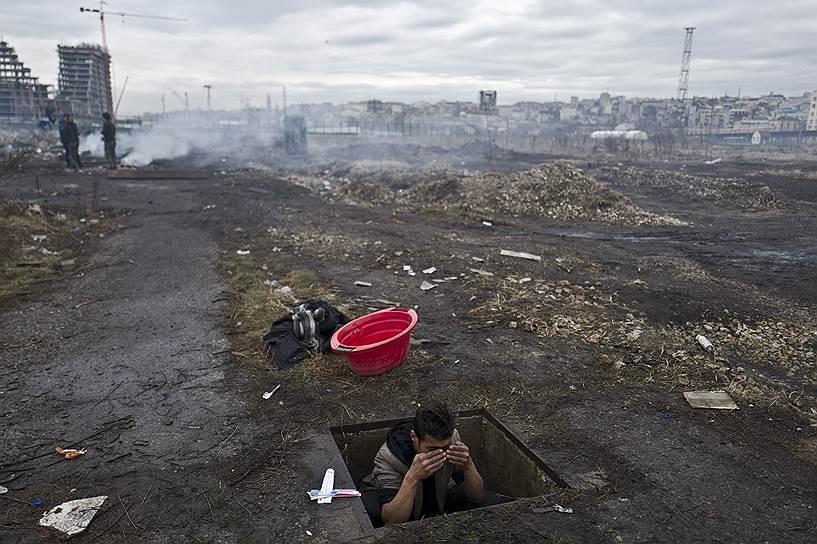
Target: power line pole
x,y
686,58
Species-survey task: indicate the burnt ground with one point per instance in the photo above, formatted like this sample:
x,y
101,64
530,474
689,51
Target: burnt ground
x,y
149,358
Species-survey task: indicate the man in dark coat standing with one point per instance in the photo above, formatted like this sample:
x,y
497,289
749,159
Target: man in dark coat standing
x,y
72,143
109,137
63,140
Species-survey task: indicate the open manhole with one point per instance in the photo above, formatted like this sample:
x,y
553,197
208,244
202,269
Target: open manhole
x,y
505,463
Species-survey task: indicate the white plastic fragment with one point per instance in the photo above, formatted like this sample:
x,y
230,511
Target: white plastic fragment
x,y
243,252
704,342
309,533
363,284
426,286
327,486
3,489
430,270
481,272
562,509
520,255
524,280
268,394
72,517
487,223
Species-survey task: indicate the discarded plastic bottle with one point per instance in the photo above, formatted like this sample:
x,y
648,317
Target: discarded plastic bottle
x,y
704,342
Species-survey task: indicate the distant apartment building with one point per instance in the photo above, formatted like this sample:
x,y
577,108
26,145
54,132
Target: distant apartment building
x,y
85,80
811,122
487,101
22,96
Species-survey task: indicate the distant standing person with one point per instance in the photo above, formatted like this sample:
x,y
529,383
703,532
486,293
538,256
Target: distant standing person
x,y
109,137
72,142
63,140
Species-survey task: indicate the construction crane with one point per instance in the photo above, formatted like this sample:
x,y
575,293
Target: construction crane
x,y
102,14
686,58
186,103
184,100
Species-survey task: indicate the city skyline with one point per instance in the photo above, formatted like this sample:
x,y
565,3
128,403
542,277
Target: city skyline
x,y
424,51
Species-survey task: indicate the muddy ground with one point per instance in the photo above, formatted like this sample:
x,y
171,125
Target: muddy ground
x,y
149,357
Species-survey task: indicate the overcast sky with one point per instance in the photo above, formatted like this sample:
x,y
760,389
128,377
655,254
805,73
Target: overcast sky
x,y
333,50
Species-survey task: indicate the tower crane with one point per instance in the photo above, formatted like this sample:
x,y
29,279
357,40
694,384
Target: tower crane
x,y
102,13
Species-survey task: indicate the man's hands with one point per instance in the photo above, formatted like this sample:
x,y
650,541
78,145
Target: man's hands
x,y
426,464
459,455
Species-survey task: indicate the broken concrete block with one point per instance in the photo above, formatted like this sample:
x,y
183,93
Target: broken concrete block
x,y
520,255
714,400
72,517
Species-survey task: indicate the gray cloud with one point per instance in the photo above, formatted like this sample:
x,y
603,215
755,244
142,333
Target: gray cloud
x,y
332,50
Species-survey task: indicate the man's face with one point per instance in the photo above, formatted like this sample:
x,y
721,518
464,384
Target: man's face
x,y
428,444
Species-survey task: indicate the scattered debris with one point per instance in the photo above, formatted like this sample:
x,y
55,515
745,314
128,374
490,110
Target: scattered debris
x,y
268,394
286,290
704,342
72,517
715,400
481,272
426,286
316,494
429,270
520,255
634,335
70,453
327,486
363,284
554,508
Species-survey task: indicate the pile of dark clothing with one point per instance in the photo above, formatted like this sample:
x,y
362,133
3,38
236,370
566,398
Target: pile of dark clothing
x,y
307,329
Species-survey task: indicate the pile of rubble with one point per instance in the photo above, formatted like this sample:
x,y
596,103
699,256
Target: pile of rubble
x,y
555,190
723,192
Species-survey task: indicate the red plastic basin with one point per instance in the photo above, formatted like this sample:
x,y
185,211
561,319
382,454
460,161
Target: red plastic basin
x,y
376,342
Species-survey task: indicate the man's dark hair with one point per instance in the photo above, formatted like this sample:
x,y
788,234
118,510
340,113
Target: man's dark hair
x,y
434,419
106,116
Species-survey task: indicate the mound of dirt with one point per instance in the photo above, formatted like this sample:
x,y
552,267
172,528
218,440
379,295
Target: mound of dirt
x,y
556,190
365,193
720,191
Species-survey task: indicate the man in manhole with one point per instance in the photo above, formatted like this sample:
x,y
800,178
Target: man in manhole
x,y
423,470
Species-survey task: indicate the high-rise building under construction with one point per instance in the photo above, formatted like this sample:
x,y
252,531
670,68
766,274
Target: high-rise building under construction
x,y
85,80
22,96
